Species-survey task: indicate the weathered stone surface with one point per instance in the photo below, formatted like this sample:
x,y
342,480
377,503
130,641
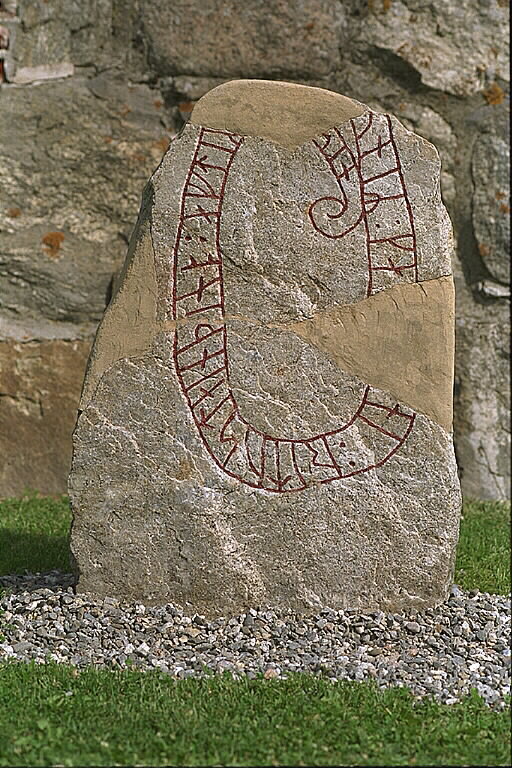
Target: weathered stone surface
x,y
383,67
285,38
195,87
66,212
491,203
455,47
230,451
347,336
241,106
429,124
482,383
482,394
49,39
66,207
40,386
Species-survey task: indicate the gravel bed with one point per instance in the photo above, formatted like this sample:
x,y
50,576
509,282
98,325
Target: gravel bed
x,y
443,652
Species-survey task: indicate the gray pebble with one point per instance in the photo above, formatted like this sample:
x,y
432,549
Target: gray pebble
x,y
443,652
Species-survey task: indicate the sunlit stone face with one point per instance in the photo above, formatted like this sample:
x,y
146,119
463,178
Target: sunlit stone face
x,y
285,421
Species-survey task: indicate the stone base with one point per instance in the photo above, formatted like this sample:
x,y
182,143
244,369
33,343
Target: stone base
x,y
155,520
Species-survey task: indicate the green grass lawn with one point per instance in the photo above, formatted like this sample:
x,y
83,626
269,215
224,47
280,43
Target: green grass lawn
x,y
54,715
483,554
57,715
34,534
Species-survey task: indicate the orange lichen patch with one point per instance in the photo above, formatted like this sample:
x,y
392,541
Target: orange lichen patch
x,y
125,110
185,469
107,139
373,6
310,26
13,213
499,195
186,106
162,144
158,103
483,250
494,94
52,242
504,208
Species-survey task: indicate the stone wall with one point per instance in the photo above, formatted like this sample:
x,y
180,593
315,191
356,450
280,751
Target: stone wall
x,y
91,93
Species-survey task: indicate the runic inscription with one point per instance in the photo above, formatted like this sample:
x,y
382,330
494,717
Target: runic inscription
x,y
364,154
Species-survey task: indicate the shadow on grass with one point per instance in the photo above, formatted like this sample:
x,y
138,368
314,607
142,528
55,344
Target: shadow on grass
x,y
22,551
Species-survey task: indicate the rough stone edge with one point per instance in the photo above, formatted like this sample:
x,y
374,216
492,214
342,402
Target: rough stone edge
x,y
129,324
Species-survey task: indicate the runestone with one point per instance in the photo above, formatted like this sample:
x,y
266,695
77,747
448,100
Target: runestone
x,y
266,417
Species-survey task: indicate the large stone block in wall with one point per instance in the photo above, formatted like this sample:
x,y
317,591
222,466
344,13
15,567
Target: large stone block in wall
x,y
482,391
455,47
490,168
40,384
226,38
67,205
266,416
47,40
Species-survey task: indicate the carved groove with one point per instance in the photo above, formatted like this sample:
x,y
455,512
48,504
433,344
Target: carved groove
x,y
257,459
